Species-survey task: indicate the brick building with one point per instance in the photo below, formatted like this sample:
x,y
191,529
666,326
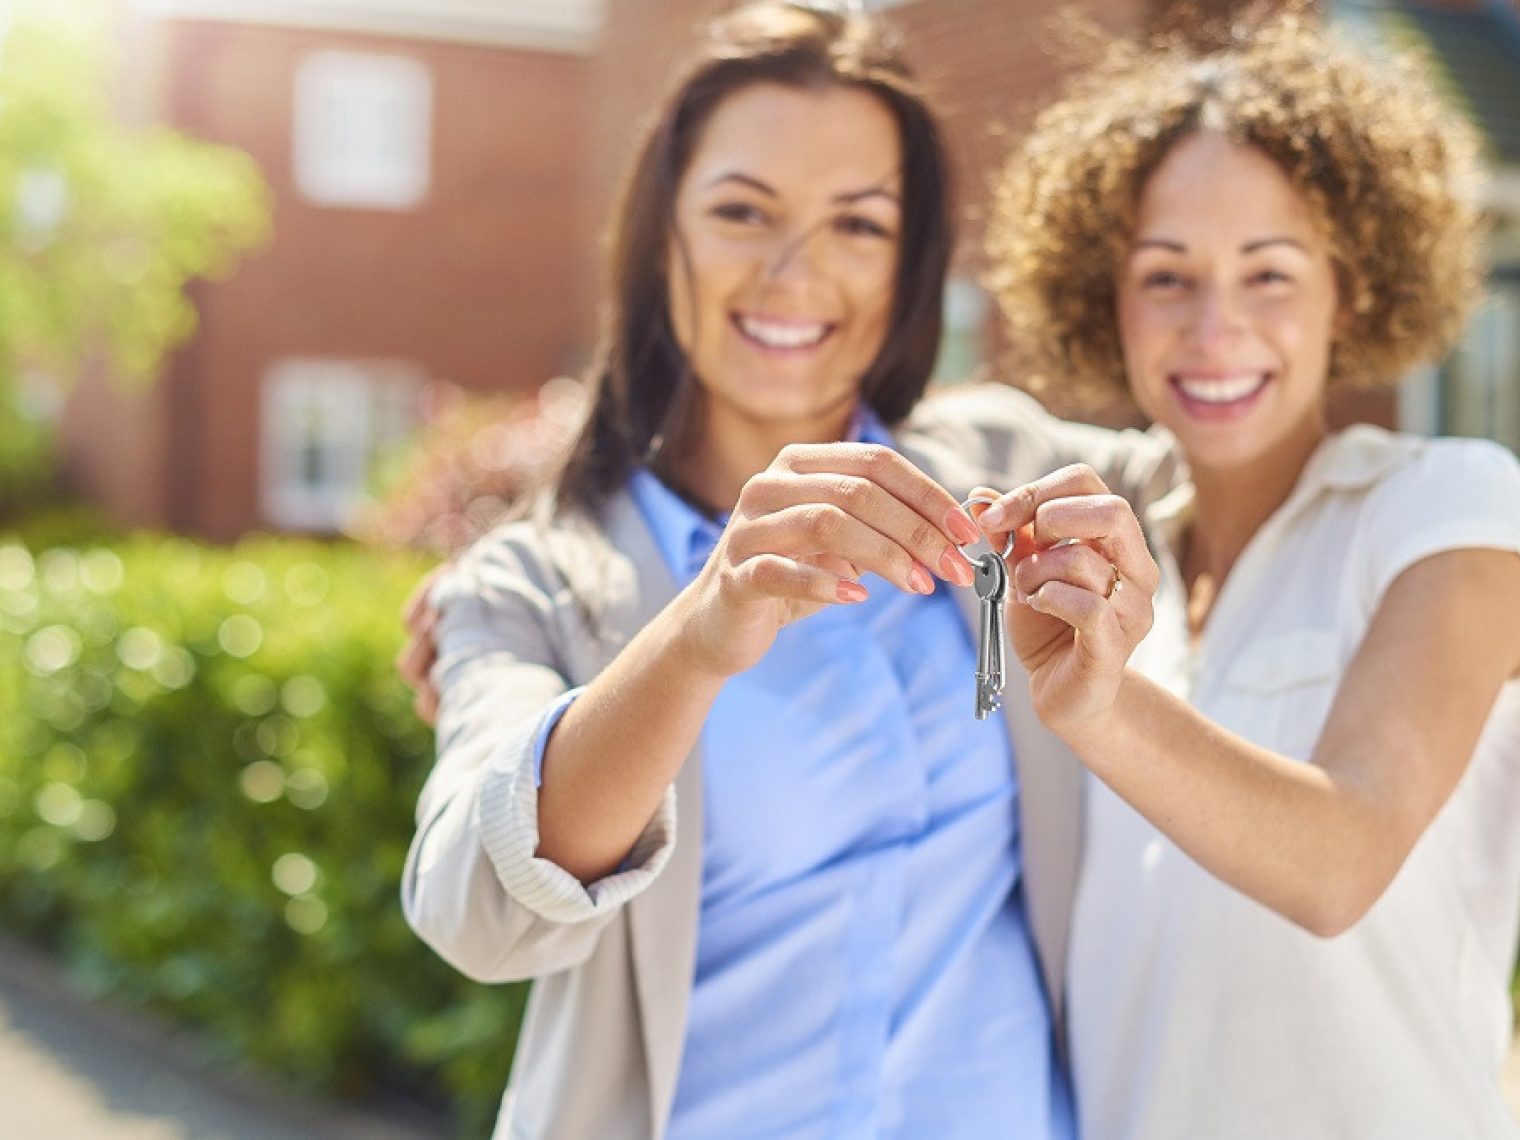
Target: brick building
x,y
441,173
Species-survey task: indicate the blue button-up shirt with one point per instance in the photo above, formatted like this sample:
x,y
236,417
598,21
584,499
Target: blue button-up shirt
x,y
864,967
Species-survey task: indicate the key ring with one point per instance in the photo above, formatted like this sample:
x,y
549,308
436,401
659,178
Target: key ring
x,y
987,500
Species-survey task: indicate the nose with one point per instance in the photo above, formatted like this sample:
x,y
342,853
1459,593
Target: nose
x,y
1217,315
795,256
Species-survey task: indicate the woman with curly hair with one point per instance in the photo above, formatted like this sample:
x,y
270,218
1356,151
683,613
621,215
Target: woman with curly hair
x,y
1301,884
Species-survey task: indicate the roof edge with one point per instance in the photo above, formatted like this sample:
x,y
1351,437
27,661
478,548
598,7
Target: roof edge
x,y
568,26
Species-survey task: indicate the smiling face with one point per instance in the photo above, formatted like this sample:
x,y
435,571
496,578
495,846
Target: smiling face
x,y
1227,306
787,224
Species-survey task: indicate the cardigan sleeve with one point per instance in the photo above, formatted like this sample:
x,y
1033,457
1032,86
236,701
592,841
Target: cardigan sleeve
x,y
475,888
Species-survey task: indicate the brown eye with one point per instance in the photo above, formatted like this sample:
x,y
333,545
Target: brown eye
x,y
1162,280
741,213
856,225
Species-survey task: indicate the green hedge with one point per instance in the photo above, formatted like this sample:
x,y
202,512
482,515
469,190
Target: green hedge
x,y
208,769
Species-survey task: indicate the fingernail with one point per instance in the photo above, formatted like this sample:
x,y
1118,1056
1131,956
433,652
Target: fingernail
x,y
920,580
848,591
994,517
960,526
953,566
1020,597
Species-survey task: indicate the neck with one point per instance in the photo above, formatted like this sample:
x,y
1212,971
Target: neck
x,y
715,468
1232,503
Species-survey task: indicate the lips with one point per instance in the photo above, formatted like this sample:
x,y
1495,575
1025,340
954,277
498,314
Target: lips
x,y
782,333
1219,392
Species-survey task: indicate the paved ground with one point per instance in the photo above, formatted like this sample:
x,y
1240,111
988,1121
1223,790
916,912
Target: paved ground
x,y
70,1069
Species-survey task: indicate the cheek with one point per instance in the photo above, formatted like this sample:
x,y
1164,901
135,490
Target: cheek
x,y
872,293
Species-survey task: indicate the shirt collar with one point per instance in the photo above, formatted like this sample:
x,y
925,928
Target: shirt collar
x,y
685,535
1349,460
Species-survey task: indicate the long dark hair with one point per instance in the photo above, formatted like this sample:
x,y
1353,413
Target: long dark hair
x,y
641,379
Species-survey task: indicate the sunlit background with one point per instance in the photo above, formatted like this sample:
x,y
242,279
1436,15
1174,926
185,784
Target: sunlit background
x,y
293,299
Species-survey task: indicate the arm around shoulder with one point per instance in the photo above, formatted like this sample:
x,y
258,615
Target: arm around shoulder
x,y
474,887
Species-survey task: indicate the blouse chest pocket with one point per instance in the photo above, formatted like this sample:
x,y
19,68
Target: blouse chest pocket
x,y
1278,691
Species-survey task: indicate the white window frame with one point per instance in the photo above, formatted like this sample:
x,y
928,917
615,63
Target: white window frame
x,y
337,416
362,131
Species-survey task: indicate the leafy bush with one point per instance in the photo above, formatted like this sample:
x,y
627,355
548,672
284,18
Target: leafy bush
x,y
208,769
476,457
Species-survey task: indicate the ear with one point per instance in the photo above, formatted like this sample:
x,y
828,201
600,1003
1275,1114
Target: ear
x,y
1341,325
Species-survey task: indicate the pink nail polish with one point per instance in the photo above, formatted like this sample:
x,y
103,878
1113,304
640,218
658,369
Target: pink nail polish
x,y
961,528
953,566
849,592
920,580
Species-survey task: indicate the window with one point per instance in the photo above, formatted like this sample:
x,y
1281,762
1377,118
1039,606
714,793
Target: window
x,y
961,346
362,132
1482,378
325,423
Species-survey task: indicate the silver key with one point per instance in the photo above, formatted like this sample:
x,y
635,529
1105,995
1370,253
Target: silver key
x,y
992,587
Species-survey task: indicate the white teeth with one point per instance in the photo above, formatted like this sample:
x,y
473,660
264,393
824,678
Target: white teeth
x,y
778,334
1222,389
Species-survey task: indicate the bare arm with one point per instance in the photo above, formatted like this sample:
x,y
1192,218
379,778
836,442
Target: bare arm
x,y
1320,842
1317,842
800,537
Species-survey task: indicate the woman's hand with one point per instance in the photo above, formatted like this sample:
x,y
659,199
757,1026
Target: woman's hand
x,y
415,661
803,533
1082,581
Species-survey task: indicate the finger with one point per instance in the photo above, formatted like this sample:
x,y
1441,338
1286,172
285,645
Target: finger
x,y
1104,521
1102,641
1075,564
418,604
809,530
890,471
1017,508
1087,569
425,705
997,539
873,505
415,661
774,576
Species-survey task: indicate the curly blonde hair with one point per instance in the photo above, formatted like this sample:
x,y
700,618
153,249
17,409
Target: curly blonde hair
x,y
1389,172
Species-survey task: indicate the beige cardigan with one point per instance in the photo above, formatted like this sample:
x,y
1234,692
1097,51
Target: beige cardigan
x,y
531,611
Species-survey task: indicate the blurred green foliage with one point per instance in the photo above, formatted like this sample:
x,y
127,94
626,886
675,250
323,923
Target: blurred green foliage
x,y
208,769
101,225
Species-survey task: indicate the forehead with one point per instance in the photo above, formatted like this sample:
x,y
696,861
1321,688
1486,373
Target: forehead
x,y
1208,185
828,140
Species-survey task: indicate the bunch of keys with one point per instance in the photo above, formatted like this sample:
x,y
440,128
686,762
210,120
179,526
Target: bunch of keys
x,y
991,585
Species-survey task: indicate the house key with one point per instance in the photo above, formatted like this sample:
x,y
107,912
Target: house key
x,y
992,587
991,584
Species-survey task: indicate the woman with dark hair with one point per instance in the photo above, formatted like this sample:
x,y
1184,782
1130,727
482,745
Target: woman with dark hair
x,y
1300,886
853,924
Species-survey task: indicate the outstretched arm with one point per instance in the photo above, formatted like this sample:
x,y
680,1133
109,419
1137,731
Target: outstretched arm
x,y
1317,842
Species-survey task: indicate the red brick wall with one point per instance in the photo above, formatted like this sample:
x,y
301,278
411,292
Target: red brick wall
x,y
475,286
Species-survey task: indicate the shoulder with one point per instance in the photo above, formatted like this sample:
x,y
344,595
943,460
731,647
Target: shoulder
x,y
1431,481
1422,497
532,559
969,410
1008,432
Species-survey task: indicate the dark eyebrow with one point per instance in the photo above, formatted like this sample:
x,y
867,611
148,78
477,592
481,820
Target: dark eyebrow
x,y
1261,243
869,192
745,179
845,199
1249,247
